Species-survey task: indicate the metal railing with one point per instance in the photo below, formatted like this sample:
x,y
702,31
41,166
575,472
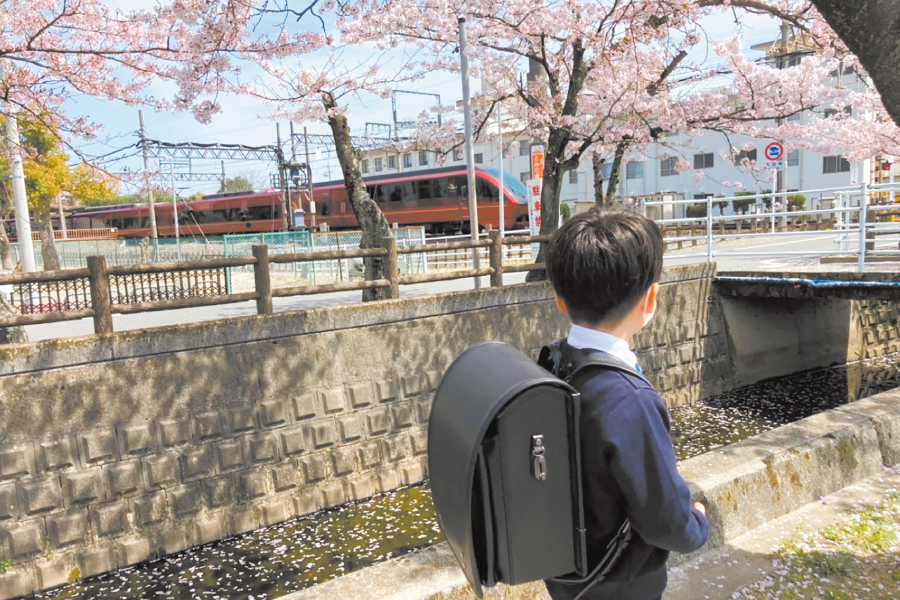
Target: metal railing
x,y
101,291
850,223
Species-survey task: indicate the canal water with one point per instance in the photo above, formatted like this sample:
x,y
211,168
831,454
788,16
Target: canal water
x,y
281,559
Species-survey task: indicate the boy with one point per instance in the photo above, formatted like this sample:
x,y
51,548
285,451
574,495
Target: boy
x,y
605,268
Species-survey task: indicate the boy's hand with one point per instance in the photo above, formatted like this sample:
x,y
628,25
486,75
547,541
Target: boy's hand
x,y
700,507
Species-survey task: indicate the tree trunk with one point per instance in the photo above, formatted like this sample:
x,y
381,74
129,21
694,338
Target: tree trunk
x,y
11,335
869,28
370,218
614,172
597,164
5,254
48,243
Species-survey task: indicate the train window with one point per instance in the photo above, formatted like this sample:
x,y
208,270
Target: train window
x,y
423,189
486,191
439,187
376,193
128,223
82,223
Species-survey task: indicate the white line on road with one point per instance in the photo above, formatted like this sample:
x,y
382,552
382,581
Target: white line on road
x,y
824,237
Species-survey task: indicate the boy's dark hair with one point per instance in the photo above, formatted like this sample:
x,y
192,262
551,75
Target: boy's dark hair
x,y
601,262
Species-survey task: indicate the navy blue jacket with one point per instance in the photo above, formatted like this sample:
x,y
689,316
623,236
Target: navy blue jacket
x,y
629,470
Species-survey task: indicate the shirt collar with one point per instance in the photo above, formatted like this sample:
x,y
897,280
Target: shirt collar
x,y
583,337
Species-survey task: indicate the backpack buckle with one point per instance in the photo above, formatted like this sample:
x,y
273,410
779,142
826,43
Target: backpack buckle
x,y
538,461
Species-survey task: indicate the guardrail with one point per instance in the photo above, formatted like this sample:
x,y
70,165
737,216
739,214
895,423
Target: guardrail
x,y
100,291
105,233
850,222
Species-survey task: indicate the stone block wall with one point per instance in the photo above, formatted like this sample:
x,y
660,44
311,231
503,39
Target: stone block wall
x,y
120,448
879,327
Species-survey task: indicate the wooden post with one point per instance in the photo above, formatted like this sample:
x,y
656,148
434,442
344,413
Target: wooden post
x,y
100,295
870,245
391,267
496,257
262,279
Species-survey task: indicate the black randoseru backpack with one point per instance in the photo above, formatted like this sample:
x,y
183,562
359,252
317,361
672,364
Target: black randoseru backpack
x,y
505,465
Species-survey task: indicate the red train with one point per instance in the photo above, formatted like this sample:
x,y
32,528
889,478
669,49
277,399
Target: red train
x,y
433,198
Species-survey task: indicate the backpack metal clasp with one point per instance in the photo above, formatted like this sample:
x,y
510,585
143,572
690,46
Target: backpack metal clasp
x,y
538,461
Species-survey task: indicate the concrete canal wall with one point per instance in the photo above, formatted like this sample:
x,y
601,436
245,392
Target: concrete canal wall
x,y
119,448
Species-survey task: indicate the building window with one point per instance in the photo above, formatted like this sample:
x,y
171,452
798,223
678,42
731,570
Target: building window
x,y
703,161
573,176
423,158
794,158
392,161
667,166
364,165
479,158
835,164
794,117
830,112
457,154
379,164
634,170
407,160
524,150
750,155
524,176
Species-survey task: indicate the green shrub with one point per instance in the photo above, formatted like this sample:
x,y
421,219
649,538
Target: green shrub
x,y
696,211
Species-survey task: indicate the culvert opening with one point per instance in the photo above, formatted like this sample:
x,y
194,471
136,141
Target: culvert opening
x,y
285,558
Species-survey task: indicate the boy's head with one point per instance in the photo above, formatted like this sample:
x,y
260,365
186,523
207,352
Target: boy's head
x,y
602,262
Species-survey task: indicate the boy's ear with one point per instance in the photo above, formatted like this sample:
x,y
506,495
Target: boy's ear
x,y
560,304
650,298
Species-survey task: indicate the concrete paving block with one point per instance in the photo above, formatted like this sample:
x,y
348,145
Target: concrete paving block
x,y
411,385
197,463
386,390
293,441
185,499
333,494
395,447
40,496
18,582
413,473
402,415
241,419
884,410
25,540
95,561
9,504
132,552
351,427
389,479
284,477
110,519
123,478
209,530
432,379
251,484
275,512
53,573
245,521
69,528
230,455
177,540
174,431
161,471
378,421
306,503
272,414
150,509
99,446
362,487
304,406
261,448
82,487
16,461
54,455
423,411
361,395
321,434
419,440
219,491
369,454
315,467
209,426
344,460
332,401
137,439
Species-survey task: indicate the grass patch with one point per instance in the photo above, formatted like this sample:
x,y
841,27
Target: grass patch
x,y
857,558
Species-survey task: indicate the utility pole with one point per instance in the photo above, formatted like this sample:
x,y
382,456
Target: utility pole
x,y
502,191
62,217
154,235
470,152
224,180
280,155
309,183
17,175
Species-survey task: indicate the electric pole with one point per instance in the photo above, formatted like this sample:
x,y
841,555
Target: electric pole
x,y
154,235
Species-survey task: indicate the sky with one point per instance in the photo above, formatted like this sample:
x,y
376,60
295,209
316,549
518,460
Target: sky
x,y
245,120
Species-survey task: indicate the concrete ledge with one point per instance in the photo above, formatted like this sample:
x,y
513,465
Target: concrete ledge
x,y
747,485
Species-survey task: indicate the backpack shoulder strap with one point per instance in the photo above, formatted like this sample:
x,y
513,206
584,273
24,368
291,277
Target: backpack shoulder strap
x,y
565,362
550,357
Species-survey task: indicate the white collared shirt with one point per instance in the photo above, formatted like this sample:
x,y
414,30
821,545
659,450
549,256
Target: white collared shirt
x,y
583,337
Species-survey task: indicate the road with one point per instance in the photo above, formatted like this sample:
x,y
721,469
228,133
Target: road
x,y
800,262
